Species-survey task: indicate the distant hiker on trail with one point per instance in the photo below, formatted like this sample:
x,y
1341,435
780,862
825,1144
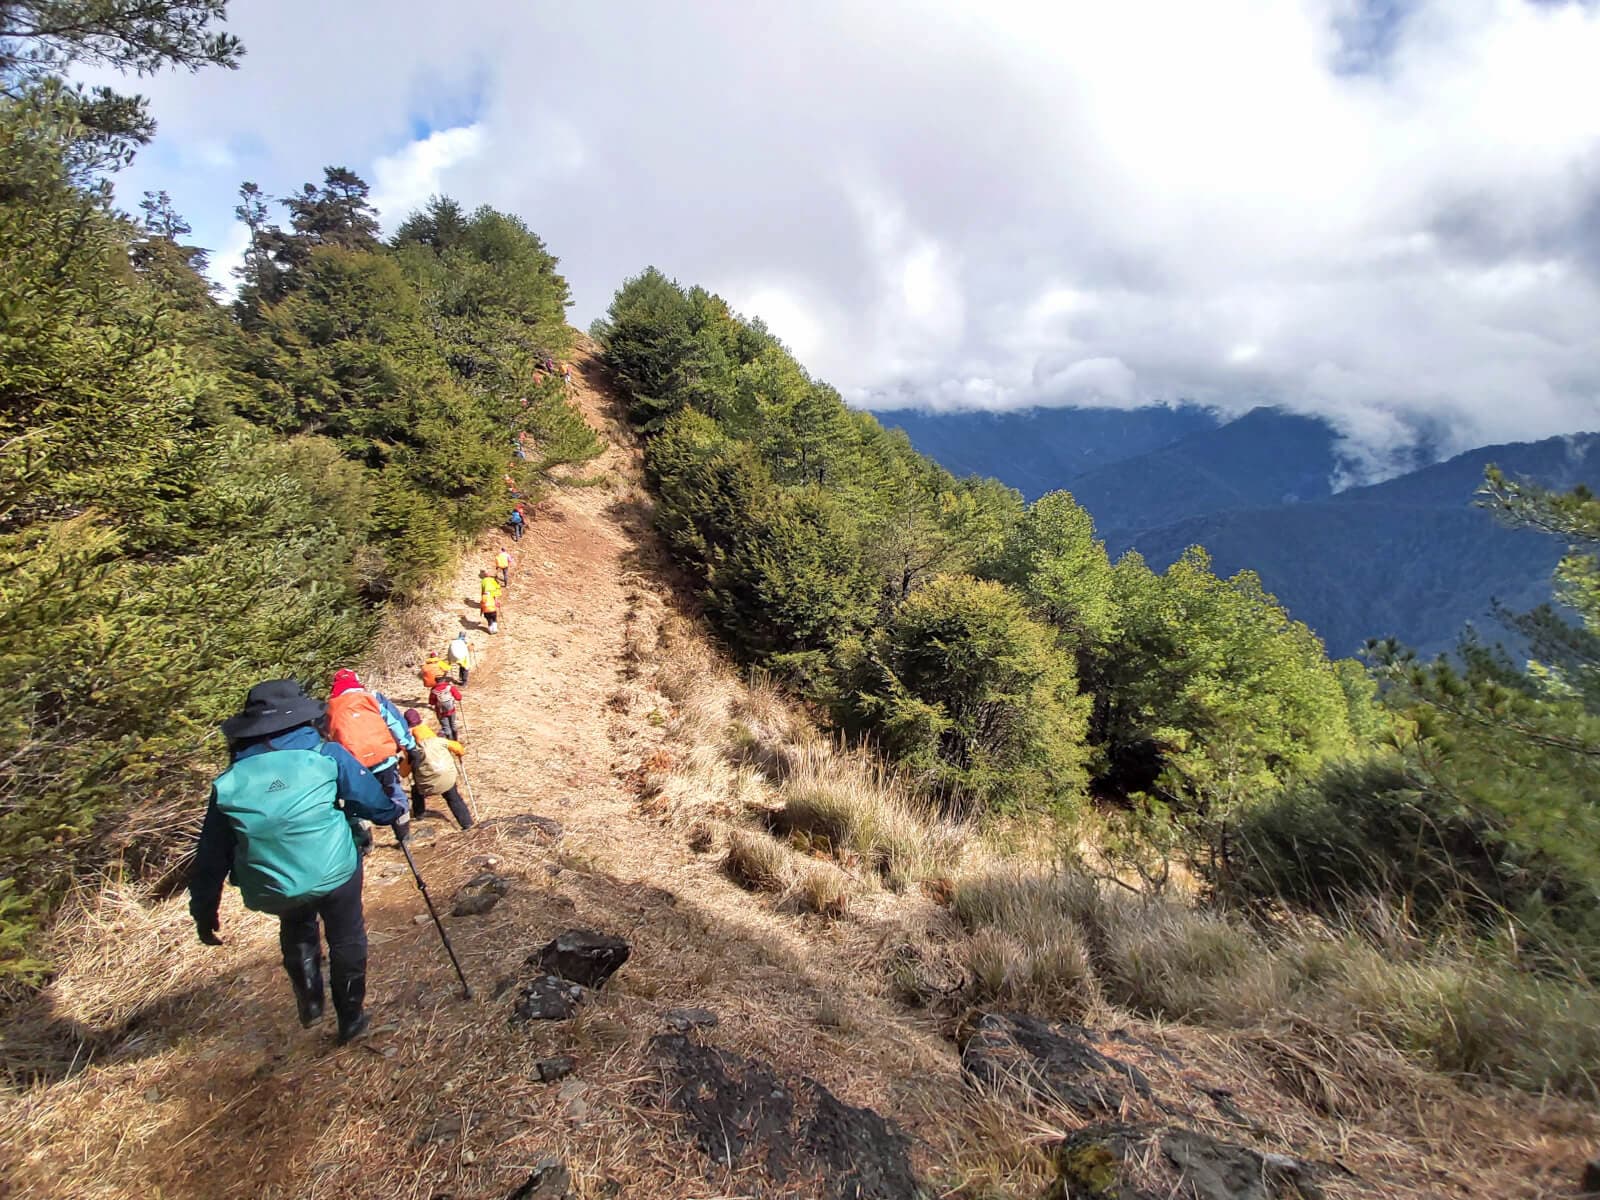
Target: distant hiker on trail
x,y
445,700
566,374
459,652
489,599
370,726
516,523
502,566
279,822
435,771
434,668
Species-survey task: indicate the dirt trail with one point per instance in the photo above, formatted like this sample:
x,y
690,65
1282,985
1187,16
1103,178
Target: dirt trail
x,y
201,1084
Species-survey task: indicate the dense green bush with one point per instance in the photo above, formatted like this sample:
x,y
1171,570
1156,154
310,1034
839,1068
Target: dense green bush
x,y
970,692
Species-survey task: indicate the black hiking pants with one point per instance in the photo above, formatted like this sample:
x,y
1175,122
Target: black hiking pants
x,y
452,797
345,927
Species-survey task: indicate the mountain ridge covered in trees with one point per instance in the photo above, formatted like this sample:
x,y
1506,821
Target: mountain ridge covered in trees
x,y
196,495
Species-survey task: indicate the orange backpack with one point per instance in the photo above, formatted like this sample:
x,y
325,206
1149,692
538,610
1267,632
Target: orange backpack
x,y
357,724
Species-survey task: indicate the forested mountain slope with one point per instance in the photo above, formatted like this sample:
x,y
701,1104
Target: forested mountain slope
x,y
1409,558
1037,450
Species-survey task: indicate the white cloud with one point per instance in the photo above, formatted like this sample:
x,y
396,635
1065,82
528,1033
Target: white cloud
x,y
1393,220
403,182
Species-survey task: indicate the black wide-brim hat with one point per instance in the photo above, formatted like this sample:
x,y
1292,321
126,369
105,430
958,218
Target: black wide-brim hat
x,y
272,707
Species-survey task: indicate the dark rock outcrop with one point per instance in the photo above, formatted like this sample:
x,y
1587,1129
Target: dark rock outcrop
x,y
552,1069
682,1020
550,1181
738,1109
1052,1062
546,998
583,956
479,894
1114,1161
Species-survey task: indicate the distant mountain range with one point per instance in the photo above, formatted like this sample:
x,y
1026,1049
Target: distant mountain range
x,y
1410,558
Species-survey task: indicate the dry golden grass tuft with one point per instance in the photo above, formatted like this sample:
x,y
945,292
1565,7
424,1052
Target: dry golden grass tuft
x,y
757,862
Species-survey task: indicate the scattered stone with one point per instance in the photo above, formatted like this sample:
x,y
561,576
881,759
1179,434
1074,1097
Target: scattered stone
x,y
484,862
552,1069
550,1181
443,1129
1051,1062
583,956
1591,1175
480,894
682,1020
572,1095
420,919
736,1108
152,1095
547,998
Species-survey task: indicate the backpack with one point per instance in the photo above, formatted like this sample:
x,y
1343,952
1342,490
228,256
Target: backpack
x,y
356,723
436,769
291,843
443,702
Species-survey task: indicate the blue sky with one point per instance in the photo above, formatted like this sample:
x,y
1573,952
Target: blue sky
x,y
1386,215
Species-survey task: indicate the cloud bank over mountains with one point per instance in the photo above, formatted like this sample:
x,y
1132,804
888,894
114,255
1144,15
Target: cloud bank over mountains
x,y
1384,214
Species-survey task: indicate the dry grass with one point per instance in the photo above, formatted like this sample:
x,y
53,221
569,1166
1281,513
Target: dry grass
x,y
756,862
1057,938
856,811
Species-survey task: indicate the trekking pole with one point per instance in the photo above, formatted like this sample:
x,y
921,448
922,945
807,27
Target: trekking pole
x,y
472,801
466,991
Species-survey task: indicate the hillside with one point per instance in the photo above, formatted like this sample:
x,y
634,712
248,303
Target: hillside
x,y
1039,449
624,772
1409,558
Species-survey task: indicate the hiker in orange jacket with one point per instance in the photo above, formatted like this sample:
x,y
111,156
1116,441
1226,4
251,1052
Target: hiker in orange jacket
x,y
369,726
434,668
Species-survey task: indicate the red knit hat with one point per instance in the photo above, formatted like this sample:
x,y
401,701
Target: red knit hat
x,y
344,681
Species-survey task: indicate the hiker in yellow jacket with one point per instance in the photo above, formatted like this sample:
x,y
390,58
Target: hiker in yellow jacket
x,y
435,772
502,566
489,599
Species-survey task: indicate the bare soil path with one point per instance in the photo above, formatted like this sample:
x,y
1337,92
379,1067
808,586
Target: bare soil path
x,y
200,1084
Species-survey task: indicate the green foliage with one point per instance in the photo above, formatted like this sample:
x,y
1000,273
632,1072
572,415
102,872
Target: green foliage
x,y
1054,559
1210,693
193,499
969,690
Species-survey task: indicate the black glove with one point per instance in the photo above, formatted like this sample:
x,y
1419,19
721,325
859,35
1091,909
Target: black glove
x,y
402,830
206,928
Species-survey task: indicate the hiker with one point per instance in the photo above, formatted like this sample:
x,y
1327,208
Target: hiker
x,y
489,599
445,700
434,668
516,523
459,652
566,374
435,772
278,822
370,726
502,566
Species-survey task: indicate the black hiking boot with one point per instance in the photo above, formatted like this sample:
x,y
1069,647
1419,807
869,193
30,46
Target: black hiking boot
x,y
305,976
349,998
357,1028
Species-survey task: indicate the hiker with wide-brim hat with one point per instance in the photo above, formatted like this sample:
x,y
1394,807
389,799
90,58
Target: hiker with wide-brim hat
x,y
279,824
